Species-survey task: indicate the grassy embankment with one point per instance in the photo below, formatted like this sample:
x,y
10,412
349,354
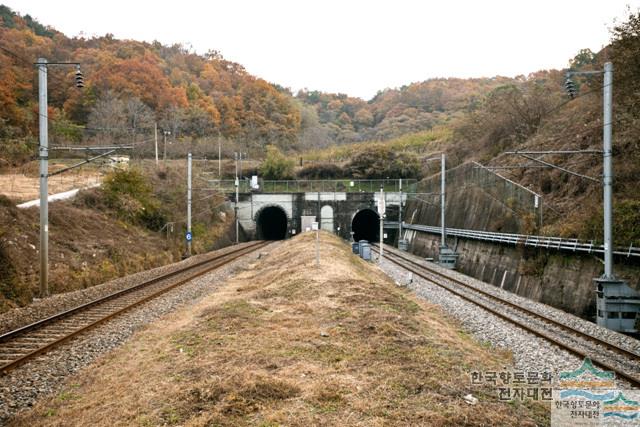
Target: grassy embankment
x,y
287,343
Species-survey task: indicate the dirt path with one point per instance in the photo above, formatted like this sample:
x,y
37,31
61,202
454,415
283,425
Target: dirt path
x,y
287,343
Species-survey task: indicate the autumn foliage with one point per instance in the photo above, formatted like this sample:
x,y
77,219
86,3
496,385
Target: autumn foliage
x,y
188,93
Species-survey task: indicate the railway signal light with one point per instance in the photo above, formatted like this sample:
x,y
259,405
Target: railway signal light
x,y
570,87
79,78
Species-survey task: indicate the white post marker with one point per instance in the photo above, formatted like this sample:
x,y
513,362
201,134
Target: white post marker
x,y
314,226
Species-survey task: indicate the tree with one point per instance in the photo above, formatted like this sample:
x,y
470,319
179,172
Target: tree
x,y
109,116
276,165
139,115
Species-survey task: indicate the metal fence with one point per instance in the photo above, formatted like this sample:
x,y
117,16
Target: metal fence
x,y
320,185
514,196
546,242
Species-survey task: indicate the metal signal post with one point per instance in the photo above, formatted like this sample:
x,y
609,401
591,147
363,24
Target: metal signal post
x,y
189,238
43,154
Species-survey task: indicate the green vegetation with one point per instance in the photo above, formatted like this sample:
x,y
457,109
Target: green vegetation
x,y
420,142
382,162
130,194
276,165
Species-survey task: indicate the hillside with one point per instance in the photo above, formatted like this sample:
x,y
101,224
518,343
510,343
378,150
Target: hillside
x,y
131,85
534,113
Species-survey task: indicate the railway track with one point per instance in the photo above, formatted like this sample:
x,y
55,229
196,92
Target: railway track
x,y
625,362
23,344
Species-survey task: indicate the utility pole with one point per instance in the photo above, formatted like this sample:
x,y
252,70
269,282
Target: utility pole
x,y
381,210
44,172
237,182
617,304
616,301
443,232
164,154
43,154
448,256
400,215
245,157
155,132
608,172
189,235
219,158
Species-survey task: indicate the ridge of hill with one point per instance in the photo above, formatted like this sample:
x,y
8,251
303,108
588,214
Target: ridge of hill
x,y
131,85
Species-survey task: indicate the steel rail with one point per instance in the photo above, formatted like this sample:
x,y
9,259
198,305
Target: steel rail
x,y
210,264
572,349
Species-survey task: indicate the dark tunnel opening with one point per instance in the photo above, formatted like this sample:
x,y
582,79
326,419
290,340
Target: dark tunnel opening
x,y
366,226
271,224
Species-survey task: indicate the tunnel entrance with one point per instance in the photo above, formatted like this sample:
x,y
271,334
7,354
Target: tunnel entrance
x,y
271,224
366,226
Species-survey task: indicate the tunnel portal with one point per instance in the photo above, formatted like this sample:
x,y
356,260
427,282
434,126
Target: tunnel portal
x,y
366,226
271,224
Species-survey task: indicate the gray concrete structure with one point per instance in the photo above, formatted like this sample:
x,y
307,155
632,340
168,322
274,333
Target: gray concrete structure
x,y
335,211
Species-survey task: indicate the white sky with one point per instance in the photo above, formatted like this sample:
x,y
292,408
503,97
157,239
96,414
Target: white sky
x,y
354,46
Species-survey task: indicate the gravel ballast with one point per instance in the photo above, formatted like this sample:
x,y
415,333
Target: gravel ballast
x,y
530,353
20,388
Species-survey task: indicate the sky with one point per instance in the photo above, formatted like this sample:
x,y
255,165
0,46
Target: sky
x,y
355,47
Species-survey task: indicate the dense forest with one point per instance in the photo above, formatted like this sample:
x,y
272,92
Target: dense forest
x,y
130,86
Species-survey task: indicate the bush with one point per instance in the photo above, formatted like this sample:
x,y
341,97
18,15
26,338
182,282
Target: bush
x,y
131,195
321,171
382,162
276,165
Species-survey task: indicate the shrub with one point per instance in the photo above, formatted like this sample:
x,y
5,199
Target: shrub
x,y
131,195
276,165
382,162
321,171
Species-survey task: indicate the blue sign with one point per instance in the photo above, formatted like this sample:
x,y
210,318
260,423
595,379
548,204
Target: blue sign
x,y
188,236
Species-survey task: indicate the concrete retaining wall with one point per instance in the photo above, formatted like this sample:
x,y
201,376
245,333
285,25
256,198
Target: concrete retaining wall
x,y
560,279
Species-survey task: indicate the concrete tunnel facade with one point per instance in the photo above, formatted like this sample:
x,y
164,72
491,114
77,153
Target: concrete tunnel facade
x,y
274,216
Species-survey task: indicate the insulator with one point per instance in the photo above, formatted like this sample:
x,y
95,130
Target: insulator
x,y
570,87
79,79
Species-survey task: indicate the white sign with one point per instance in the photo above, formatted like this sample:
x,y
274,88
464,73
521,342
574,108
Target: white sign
x,y
385,235
314,226
381,206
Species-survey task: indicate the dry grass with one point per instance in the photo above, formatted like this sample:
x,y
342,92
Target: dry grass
x,y
287,343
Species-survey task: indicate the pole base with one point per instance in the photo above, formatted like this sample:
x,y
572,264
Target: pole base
x,y
448,258
618,305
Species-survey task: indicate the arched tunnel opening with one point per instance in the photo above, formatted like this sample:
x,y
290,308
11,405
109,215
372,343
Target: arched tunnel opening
x,y
271,224
366,226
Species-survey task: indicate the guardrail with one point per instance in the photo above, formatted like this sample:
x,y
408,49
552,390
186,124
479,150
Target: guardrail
x,y
545,242
320,185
